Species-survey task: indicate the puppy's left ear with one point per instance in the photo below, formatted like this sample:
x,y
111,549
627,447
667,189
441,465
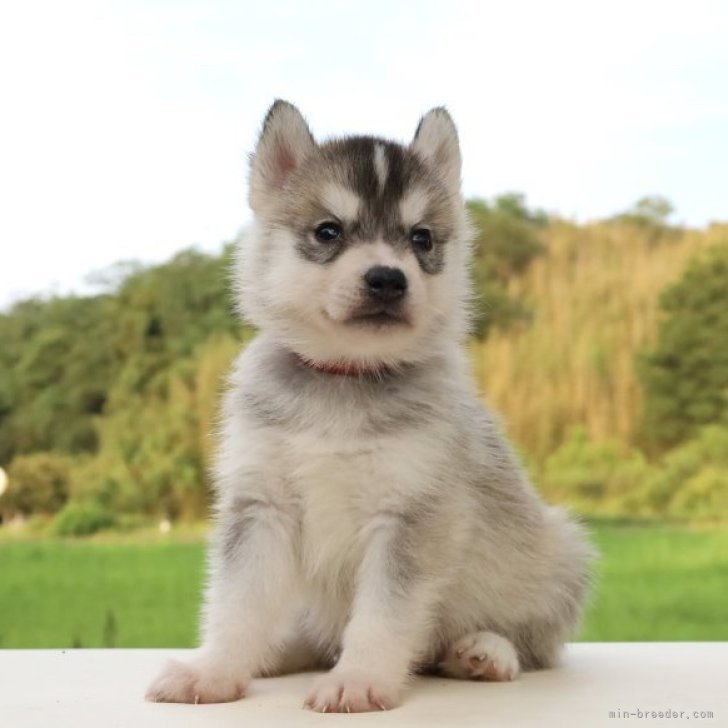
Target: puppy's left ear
x,y
284,143
436,141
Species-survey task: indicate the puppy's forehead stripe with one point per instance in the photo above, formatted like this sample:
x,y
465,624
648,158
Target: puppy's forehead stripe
x,y
381,165
378,172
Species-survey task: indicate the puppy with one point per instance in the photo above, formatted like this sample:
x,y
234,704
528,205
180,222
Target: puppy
x,y
371,518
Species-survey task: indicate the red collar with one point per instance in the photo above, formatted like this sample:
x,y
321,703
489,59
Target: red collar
x,y
343,369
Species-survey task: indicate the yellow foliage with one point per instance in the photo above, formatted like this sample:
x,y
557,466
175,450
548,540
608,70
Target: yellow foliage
x,y
213,366
595,301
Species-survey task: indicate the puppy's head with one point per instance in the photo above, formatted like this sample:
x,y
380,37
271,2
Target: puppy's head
x,y
359,251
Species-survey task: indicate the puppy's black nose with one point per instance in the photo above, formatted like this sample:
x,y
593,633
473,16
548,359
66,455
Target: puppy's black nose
x,y
385,284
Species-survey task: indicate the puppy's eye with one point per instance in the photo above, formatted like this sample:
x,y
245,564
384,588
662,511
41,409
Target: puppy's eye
x,y
421,239
327,232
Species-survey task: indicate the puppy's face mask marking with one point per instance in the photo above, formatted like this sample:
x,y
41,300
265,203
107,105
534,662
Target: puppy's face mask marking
x,y
356,238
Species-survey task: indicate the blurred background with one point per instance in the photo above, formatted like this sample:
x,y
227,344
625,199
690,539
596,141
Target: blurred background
x,y
595,141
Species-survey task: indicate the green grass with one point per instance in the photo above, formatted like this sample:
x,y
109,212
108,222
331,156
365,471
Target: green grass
x,y
655,583
659,583
89,594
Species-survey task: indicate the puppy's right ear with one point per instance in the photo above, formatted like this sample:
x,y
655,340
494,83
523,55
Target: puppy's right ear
x,y
283,144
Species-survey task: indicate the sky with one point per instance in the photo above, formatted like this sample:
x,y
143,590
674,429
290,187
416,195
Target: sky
x,y
125,126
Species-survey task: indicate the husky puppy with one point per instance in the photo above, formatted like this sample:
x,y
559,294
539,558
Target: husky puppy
x,y
371,518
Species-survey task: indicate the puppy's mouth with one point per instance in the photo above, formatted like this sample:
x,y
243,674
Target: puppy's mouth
x,y
380,316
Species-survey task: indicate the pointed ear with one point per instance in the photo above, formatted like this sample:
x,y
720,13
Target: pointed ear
x,y
283,144
436,141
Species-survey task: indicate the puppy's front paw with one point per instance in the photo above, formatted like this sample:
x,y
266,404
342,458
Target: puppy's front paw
x,y
350,692
481,656
195,682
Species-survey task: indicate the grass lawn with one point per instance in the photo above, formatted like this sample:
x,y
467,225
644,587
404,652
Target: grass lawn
x,y
654,583
89,594
659,583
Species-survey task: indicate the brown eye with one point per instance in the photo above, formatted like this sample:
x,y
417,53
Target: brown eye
x,y
327,232
421,239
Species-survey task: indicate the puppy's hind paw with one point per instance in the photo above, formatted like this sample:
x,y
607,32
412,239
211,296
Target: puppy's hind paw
x,y
481,656
195,682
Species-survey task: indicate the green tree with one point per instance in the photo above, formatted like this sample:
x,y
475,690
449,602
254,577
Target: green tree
x,y
65,361
650,215
506,241
56,363
685,377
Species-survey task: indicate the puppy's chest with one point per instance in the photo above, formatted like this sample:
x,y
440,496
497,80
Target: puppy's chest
x,y
341,490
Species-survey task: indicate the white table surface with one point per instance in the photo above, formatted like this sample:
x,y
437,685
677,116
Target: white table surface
x,y
105,688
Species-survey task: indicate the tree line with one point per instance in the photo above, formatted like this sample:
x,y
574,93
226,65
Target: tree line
x,y
108,402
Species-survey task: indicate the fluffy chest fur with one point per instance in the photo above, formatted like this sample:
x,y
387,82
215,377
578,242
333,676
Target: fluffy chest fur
x,y
339,456
345,492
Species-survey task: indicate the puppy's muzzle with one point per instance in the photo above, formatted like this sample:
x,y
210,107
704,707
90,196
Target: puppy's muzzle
x,y
385,284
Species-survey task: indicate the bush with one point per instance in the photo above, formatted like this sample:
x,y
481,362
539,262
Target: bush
x,y
704,495
692,481
594,477
82,519
37,483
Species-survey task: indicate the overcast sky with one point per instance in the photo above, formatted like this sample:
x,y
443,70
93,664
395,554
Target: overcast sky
x,y
125,125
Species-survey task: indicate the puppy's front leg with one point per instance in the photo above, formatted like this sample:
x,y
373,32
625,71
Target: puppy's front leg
x,y
387,629
251,580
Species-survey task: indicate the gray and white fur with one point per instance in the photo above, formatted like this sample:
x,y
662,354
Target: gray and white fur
x,y
371,518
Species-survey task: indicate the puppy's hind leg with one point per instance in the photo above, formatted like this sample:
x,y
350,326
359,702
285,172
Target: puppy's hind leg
x,y
481,656
249,596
